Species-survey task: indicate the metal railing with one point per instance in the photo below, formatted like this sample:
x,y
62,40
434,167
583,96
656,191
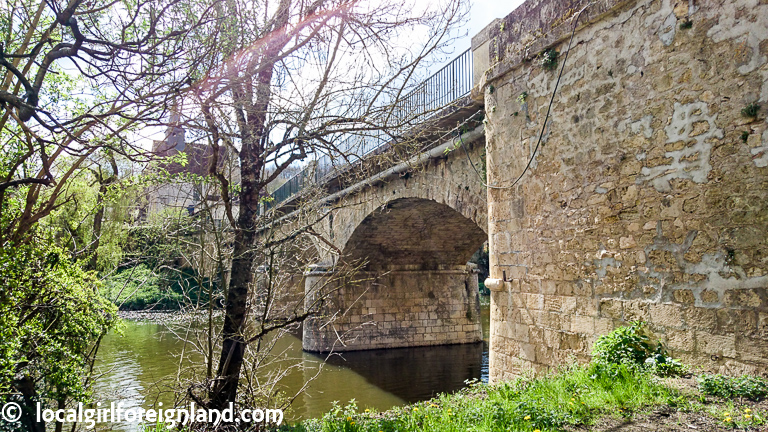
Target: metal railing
x,y
450,83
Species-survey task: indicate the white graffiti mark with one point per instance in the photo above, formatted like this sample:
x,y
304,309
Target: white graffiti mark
x,y
692,125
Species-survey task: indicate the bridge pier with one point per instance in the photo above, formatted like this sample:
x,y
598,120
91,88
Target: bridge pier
x,y
400,307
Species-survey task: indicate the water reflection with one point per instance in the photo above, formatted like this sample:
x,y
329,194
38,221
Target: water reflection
x,y
138,366
416,374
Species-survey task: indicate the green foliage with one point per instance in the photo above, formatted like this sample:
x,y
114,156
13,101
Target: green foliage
x,y
625,345
158,242
140,288
745,136
750,110
573,396
686,24
51,314
72,222
734,417
663,365
522,97
631,346
750,387
548,59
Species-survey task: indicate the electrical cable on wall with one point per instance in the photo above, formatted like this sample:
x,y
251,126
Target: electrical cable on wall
x,y
546,118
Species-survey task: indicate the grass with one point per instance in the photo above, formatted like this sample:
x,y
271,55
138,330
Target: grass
x,y
577,395
140,288
621,383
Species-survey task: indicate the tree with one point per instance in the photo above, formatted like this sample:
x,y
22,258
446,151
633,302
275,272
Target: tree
x,y
291,80
78,79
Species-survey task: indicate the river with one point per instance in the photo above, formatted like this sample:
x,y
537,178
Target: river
x,y
135,366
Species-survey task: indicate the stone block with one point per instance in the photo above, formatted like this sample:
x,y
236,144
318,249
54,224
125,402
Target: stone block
x,y
681,341
724,346
583,324
610,308
666,315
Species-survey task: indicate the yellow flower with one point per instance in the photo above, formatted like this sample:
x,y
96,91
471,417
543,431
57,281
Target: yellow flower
x,y
353,422
536,430
415,409
349,418
527,418
726,414
747,416
747,410
573,400
727,419
367,410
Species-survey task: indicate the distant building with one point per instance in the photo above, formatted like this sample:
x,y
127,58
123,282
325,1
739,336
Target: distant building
x,y
189,186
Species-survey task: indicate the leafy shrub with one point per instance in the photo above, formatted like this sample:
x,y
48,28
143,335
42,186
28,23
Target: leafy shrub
x,y
625,345
750,110
51,314
750,387
663,365
139,288
631,346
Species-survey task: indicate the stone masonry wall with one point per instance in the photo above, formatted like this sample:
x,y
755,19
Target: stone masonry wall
x,y
648,198
449,180
396,309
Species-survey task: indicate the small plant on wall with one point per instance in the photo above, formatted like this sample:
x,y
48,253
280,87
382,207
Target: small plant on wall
x,y
548,59
750,110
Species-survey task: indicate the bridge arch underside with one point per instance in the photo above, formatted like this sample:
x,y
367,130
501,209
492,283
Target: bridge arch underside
x,y
413,286
414,234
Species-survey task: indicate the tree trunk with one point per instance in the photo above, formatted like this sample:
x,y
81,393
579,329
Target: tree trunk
x,y
242,277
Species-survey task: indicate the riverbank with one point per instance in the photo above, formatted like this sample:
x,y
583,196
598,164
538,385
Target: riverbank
x,y
573,400
630,385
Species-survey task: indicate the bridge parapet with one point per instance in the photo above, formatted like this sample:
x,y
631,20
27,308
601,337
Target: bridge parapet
x,y
434,107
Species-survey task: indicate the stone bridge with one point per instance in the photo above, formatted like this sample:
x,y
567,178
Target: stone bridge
x,y
646,199
409,232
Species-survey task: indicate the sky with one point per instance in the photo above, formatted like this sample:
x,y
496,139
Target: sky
x,y
481,13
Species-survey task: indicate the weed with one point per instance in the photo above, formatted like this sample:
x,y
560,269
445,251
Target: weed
x,y
632,347
745,136
686,24
750,110
522,98
548,59
732,416
750,387
625,345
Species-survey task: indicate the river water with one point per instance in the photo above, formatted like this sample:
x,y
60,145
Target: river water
x,y
134,367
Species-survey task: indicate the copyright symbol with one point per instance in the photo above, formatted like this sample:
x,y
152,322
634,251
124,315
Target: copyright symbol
x,y
11,412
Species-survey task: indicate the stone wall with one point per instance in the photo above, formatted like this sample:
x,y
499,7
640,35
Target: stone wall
x,y
400,308
648,196
444,193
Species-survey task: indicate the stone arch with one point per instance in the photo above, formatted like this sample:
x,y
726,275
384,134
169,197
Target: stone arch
x,y
414,233
450,179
